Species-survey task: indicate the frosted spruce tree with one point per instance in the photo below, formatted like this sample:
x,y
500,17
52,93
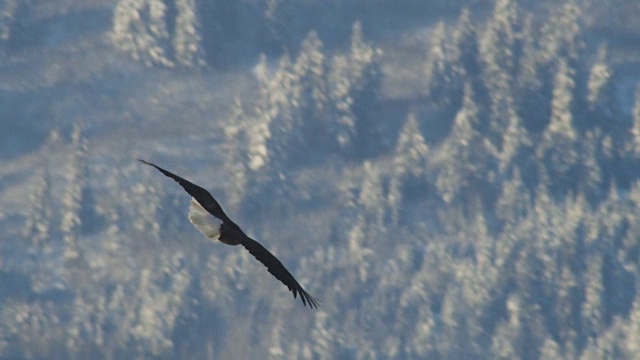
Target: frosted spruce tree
x,y
140,29
75,263
497,46
464,51
557,150
187,40
365,75
237,159
437,68
38,225
342,129
311,69
72,198
561,36
467,156
409,164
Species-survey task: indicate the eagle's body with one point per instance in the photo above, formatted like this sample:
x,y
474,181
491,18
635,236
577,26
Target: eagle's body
x,y
208,217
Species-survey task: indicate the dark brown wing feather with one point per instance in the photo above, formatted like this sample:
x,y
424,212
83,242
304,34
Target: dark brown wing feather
x,y
275,267
201,195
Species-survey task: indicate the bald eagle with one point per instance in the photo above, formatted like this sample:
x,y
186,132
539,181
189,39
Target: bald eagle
x,y
207,216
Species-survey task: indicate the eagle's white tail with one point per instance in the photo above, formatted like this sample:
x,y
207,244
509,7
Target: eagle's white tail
x,y
206,223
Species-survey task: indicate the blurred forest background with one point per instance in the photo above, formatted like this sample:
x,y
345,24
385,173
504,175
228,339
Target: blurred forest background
x,y
453,179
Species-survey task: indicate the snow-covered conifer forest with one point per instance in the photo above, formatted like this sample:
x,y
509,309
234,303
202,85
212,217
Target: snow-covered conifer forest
x,y
453,179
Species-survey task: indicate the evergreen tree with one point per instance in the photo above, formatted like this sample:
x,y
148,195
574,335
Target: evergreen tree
x,y
590,172
557,151
72,200
533,84
467,158
311,68
365,75
324,336
550,350
409,163
561,35
158,303
394,198
237,159
140,29
276,129
411,152
187,41
145,212
280,21
369,226
506,341
347,213
258,131
437,69
496,49
38,225
343,128
515,200
372,199
275,348
497,43
464,52
601,92
286,125
515,140
592,307
38,231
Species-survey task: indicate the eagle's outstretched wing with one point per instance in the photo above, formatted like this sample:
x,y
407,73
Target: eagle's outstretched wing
x,y
275,267
203,197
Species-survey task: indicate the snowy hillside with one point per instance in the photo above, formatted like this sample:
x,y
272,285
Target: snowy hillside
x,y
451,179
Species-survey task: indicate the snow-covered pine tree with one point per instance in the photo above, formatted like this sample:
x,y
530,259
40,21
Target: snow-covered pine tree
x,y
140,29
593,319
365,75
601,95
72,198
497,47
557,150
561,36
409,164
411,152
187,41
464,51
285,123
311,70
467,157
515,199
75,263
515,138
534,83
38,226
258,132
342,127
371,198
437,68
237,160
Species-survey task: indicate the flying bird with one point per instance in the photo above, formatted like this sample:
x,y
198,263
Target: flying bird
x,y
206,214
